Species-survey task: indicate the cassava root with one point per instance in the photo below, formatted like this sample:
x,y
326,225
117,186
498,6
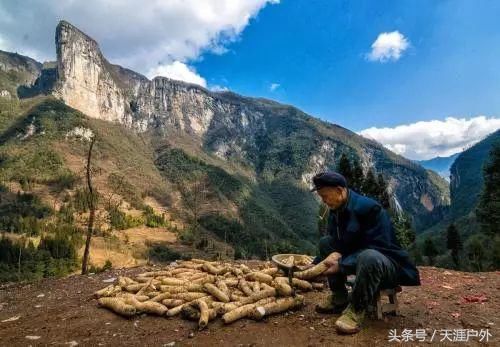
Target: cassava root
x,y
201,290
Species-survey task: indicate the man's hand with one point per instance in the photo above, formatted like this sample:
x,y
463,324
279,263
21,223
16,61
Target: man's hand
x,y
333,261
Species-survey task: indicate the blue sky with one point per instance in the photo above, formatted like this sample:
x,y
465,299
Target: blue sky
x,y
421,77
316,52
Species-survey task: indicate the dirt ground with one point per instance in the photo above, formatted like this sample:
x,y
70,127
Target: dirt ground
x,y
62,312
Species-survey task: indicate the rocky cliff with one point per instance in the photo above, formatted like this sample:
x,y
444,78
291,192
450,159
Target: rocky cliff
x,y
467,176
84,79
271,140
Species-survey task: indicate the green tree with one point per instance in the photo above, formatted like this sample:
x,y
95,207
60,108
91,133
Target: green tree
x,y
453,243
488,208
403,230
476,251
370,185
357,176
430,250
345,169
383,192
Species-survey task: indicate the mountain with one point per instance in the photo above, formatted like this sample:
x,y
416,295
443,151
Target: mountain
x,y
465,189
466,185
467,176
441,165
17,70
238,167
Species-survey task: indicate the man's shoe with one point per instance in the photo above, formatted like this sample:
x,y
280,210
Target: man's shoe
x,y
332,305
351,321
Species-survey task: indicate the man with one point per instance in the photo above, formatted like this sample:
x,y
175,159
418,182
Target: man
x,y
360,241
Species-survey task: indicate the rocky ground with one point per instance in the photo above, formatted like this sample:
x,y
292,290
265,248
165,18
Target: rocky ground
x,y
63,312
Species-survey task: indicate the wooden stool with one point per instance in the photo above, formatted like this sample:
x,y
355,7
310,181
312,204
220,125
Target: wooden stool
x,y
377,307
392,306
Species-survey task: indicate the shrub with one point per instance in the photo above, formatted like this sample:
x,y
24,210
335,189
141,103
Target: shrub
x,y
129,192
476,248
98,269
162,253
66,214
66,180
121,221
188,235
59,247
229,230
154,220
81,200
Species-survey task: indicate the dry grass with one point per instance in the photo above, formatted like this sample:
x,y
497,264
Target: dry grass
x,y
127,248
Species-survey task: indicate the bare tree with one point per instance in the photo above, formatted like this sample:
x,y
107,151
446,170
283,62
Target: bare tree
x,y
92,206
196,199
118,186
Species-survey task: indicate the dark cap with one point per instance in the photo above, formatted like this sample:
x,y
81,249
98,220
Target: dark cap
x,y
328,179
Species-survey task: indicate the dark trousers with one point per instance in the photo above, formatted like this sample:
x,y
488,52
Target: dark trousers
x,y
373,270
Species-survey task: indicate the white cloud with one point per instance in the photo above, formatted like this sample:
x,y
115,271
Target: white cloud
x,y
274,86
137,35
428,139
178,71
218,88
388,46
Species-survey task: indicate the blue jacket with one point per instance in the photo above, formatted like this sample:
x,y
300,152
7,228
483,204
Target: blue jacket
x,y
362,223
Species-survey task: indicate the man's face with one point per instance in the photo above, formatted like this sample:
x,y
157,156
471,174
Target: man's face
x,y
333,197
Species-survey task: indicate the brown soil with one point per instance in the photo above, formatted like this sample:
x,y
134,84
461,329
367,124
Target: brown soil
x,y
63,312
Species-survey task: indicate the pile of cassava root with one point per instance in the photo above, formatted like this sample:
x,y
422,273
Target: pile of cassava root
x,y
201,290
